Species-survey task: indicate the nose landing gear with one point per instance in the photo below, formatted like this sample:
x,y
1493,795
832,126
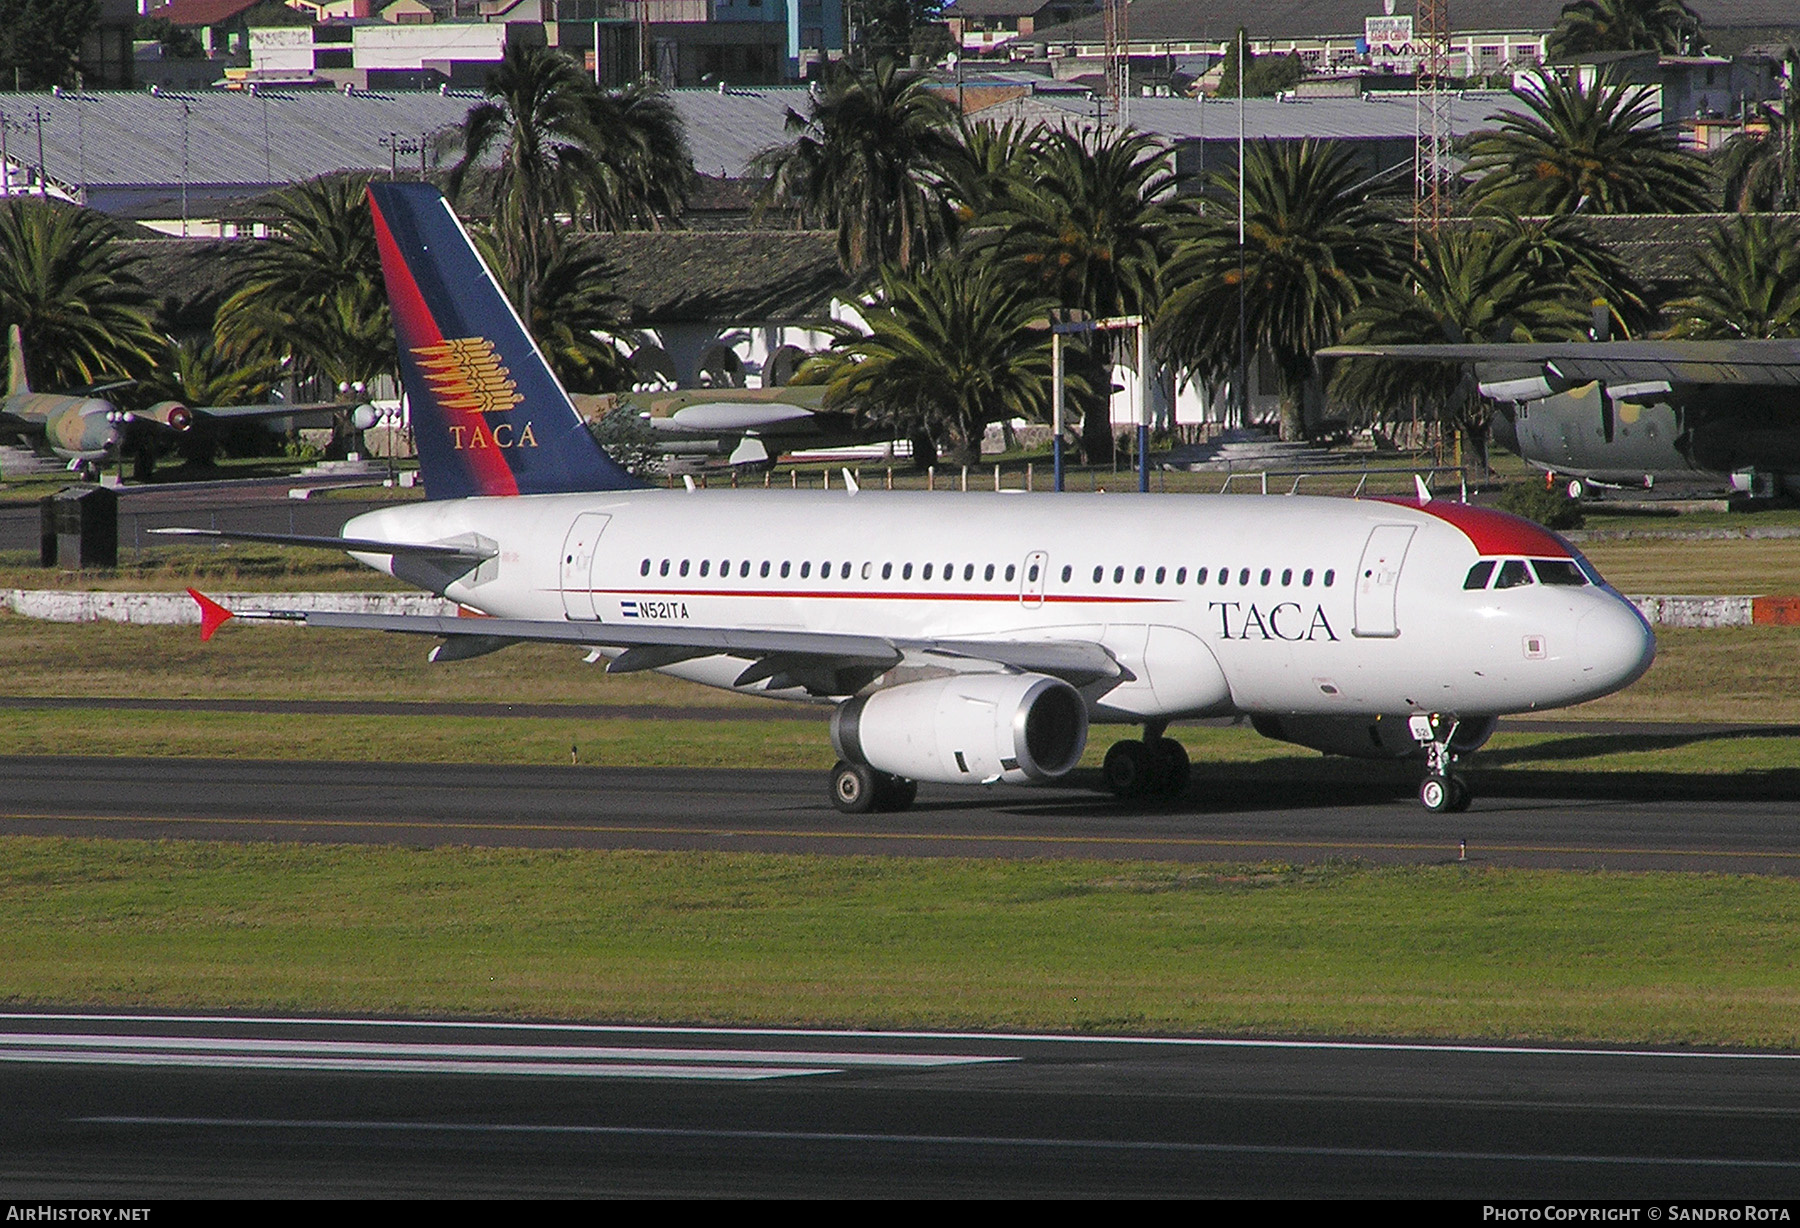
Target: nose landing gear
x,y
1155,767
1442,791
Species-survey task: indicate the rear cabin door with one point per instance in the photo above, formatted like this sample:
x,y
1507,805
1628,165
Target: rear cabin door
x,y
1378,580
578,565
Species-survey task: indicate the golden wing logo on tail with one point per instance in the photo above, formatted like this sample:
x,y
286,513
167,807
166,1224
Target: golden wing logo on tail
x,y
466,375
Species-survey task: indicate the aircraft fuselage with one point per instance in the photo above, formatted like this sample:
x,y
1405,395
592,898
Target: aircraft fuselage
x,y
1213,605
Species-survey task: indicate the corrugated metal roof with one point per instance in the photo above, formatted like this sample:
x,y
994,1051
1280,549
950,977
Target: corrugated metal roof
x,y
133,141
1217,20
725,131
1372,118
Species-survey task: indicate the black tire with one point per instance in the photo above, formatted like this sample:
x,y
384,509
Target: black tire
x,y
894,793
1460,795
1126,769
1436,794
853,788
1173,771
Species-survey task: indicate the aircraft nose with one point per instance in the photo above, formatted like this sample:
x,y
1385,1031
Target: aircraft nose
x,y
1614,645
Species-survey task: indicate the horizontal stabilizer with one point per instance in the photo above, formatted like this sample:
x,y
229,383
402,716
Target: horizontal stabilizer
x,y
354,545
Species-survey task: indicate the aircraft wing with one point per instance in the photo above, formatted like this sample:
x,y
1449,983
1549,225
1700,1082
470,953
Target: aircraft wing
x,y
822,662
306,409
1759,363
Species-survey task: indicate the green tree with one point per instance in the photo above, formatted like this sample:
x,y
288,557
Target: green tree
x,y
950,348
1577,150
82,311
868,160
548,142
1264,76
1760,169
1589,26
1088,226
1558,252
1478,283
642,169
312,296
576,319
1313,248
40,41
1745,281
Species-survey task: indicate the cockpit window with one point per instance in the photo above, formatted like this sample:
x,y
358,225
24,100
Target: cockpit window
x,y
1513,573
1478,574
1558,571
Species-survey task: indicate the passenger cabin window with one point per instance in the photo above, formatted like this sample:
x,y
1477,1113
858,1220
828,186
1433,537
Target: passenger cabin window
x,y
1067,572
645,569
1098,573
684,567
1558,571
926,574
1330,577
1478,574
1200,575
1010,570
764,572
705,566
1513,573
806,569
785,566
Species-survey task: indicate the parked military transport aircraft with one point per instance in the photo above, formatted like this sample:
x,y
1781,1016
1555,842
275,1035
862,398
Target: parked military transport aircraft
x,y
87,430
1635,412
969,639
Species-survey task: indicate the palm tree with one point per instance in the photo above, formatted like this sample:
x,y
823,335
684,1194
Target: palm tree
x,y
643,170
1559,252
951,347
1479,283
1587,26
1087,224
1578,150
83,312
1761,169
313,298
1313,249
1746,283
867,161
540,123
989,157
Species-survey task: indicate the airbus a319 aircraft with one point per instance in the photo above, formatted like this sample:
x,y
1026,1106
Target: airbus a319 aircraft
x,y
968,639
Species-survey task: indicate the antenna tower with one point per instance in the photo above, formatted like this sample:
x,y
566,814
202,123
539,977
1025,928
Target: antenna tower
x,y
1431,116
1118,62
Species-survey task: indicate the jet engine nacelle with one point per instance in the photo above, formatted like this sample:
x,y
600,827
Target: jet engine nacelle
x,y
967,727
172,414
1367,737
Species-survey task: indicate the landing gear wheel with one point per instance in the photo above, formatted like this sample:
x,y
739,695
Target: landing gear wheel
x,y
853,788
1170,769
1126,769
894,793
1435,794
1445,794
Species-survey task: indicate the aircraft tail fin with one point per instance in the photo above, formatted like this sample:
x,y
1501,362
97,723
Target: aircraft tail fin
x,y
488,415
15,352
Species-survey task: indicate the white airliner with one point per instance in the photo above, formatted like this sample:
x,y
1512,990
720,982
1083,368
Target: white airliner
x,y
966,639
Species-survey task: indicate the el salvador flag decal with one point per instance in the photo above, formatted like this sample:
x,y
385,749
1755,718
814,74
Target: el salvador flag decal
x,y
628,609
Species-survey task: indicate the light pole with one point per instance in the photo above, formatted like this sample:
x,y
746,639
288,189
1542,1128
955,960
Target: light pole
x,y
1064,322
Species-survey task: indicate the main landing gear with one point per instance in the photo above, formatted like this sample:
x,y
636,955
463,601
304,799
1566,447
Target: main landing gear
x,y
1442,791
857,788
1155,767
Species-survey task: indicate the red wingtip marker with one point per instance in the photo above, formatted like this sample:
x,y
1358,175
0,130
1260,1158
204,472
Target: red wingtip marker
x,y
212,614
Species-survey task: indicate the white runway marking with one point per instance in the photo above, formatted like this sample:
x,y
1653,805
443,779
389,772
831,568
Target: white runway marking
x,y
561,1061
953,1141
830,1034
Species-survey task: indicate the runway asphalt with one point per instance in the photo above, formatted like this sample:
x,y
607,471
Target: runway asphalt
x,y
134,1106
782,811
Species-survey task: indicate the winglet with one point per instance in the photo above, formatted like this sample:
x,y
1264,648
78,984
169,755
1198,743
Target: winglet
x,y
212,614
1424,490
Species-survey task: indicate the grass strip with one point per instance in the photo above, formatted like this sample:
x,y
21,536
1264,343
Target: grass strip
x,y
1339,949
